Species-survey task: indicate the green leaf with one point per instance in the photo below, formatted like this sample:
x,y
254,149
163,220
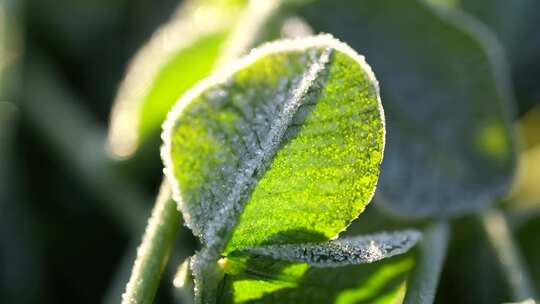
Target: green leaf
x,y
516,24
202,36
178,55
379,282
282,147
343,251
450,147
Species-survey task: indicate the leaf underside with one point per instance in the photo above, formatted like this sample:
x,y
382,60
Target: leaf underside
x,y
344,251
450,149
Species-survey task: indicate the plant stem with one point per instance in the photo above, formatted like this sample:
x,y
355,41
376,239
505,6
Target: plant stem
x,y
424,280
154,250
79,141
498,233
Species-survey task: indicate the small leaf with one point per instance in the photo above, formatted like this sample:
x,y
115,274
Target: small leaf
x,y
284,146
380,282
156,77
450,147
343,251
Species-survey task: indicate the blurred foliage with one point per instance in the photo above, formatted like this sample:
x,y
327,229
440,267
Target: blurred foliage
x,y
61,239
516,24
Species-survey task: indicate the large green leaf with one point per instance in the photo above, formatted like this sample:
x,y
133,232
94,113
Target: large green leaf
x,y
179,54
450,149
283,147
516,23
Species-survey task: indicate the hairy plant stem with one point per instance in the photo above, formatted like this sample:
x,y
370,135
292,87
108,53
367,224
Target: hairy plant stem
x,y
424,280
499,235
153,253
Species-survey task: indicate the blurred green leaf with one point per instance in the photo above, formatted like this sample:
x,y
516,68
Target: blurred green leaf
x,y
294,131
525,192
450,147
179,54
516,23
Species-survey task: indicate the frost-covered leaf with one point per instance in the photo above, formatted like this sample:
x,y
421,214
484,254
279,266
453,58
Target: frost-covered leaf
x,y
380,282
284,146
294,132
343,251
516,24
450,148
178,55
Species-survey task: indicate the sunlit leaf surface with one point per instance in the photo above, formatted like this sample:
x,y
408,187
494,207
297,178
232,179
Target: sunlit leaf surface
x,y
450,149
294,132
381,282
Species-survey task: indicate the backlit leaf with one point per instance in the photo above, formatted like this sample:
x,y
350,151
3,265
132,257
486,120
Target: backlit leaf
x,y
178,55
282,147
380,282
450,148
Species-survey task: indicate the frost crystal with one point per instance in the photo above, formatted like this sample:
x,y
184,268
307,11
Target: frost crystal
x,y
342,252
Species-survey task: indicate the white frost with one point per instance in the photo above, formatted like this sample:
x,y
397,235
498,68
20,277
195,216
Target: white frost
x,y
342,252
